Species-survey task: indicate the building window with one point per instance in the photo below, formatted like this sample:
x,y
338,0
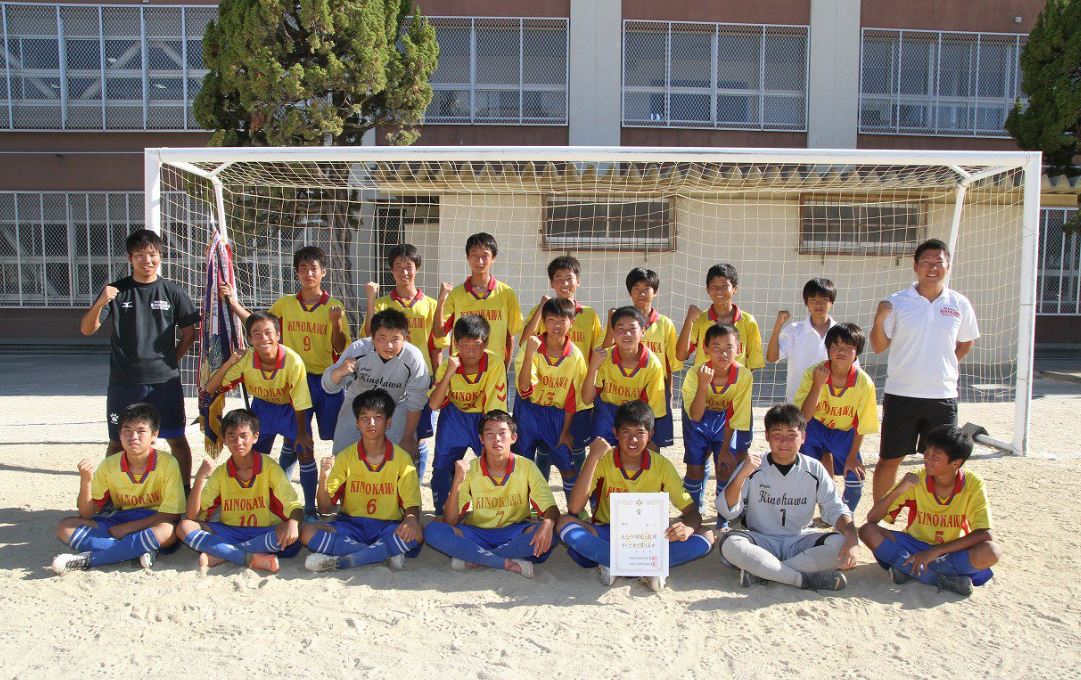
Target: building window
x,y
499,72
738,77
1059,277
938,83
851,227
610,224
101,67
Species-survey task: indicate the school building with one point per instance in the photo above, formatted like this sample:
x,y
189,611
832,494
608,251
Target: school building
x,y
85,86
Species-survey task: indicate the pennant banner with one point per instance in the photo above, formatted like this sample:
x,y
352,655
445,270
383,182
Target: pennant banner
x,y
219,336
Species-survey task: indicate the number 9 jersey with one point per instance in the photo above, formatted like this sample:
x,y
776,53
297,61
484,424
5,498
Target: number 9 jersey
x,y
307,330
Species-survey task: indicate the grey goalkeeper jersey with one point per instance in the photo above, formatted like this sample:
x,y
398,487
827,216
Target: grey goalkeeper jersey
x,y
405,377
783,504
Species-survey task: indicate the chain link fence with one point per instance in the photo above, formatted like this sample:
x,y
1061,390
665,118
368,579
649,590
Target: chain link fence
x,y
938,83
1059,277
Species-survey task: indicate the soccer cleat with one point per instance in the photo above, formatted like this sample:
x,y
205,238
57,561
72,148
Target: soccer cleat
x,y
65,562
395,562
457,564
319,562
263,562
955,583
523,567
605,575
899,576
654,583
147,559
747,579
824,580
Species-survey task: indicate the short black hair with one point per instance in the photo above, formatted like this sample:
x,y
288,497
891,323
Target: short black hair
x,y
139,412
391,319
785,414
719,330
471,327
313,254
558,306
142,238
564,262
847,333
497,416
628,311
238,417
723,271
376,399
640,274
950,440
931,244
256,317
819,287
406,250
482,239
635,413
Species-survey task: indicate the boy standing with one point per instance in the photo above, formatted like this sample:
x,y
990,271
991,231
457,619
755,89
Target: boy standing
x,y
838,400
486,516
777,498
142,486
260,515
482,295
629,467
146,311
722,284
377,486
404,262
947,541
467,385
801,342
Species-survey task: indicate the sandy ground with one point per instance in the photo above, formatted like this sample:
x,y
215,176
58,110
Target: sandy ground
x,y
175,622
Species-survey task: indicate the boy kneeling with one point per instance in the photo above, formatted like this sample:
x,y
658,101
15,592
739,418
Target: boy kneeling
x,y
260,513
948,539
777,497
142,486
377,486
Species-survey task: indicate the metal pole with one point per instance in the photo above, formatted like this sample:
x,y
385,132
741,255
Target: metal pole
x,y
151,191
1026,321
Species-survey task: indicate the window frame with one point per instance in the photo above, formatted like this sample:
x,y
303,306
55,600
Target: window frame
x,y
893,248
607,243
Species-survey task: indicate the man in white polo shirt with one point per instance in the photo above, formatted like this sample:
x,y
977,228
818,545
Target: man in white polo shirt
x,y
928,329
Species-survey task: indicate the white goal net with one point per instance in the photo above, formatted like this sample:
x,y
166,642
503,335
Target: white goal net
x,y
780,217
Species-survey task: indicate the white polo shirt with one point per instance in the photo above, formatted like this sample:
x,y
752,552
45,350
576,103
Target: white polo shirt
x,y
803,347
923,336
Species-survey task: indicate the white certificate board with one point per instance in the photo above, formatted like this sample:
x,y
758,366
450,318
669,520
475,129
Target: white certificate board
x,y
639,522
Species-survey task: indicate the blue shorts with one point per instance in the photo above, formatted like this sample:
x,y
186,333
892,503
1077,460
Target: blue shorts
x,y
914,545
582,428
109,520
426,424
274,419
367,530
457,431
664,430
325,407
490,539
541,426
822,440
707,436
604,532
238,535
167,397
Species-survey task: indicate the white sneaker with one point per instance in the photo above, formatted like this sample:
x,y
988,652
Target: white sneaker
x,y
526,567
605,575
654,583
147,559
396,562
318,562
65,562
457,564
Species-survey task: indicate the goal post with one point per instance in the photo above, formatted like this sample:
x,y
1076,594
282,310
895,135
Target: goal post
x,y
781,216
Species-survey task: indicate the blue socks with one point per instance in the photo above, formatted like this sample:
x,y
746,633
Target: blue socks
x,y
584,543
287,458
853,491
956,563
212,544
126,548
519,547
696,488
442,537
681,552
309,479
568,484
441,479
387,546
266,542
333,544
423,454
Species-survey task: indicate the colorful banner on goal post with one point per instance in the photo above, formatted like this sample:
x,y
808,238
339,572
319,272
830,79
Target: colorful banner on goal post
x,y
220,335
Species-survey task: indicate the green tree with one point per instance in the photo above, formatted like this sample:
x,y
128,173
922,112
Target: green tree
x,y
314,72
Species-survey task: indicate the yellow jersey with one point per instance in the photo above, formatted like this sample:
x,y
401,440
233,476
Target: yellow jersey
x,y
492,503
421,314
159,487
497,303
307,330
383,491
750,338
657,474
852,405
480,392
555,381
284,382
732,397
940,520
265,500
586,332
644,382
659,336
